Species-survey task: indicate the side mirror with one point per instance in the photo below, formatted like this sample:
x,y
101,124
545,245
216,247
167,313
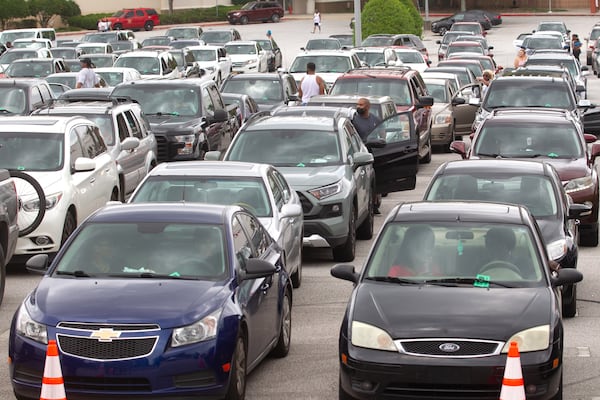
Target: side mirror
x,y
584,103
425,101
577,210
375,143
291,210
361,158
37,264
438,42
345,272
212,155
130,143
83,164
220,116
491,48
459,147
256,269
458,100
594,153
589,138
579,88
566,276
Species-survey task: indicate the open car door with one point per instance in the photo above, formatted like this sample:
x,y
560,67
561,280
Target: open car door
x,y
464,113
394,145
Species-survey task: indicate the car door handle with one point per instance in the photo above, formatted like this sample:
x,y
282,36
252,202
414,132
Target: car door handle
x,y
92,180
265,286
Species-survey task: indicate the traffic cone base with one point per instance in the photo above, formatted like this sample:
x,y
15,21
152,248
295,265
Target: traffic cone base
x,y
513,387
53,385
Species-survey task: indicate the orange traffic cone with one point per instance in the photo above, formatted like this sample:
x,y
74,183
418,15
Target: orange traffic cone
x,y
53,386
512,383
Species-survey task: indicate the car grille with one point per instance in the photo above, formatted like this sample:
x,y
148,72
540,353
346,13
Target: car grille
x,y
238,64
450,348
100,384
306,204
115,349
441,392
162,148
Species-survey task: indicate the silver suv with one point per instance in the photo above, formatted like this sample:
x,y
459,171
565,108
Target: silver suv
x,y
125,130
323,158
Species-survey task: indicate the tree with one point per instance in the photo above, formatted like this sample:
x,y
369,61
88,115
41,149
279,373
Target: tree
x,y
10,9
389,16
40,9
415,15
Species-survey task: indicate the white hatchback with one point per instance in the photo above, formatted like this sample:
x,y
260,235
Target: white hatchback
x,y
150,64
69,158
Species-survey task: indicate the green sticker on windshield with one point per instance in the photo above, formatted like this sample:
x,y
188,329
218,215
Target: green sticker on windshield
x,y
300,165
482,281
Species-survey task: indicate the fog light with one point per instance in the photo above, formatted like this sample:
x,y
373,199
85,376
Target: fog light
x,y
366,386
530,389
42,240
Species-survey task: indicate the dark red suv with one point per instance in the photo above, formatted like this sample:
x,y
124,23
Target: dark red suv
x,y
135,19
256,11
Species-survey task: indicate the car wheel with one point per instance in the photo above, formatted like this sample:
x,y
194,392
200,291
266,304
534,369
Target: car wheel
x,y
590,238
237,375
2,273
345,252
282,348
365,230
243,20
588,61
427,158
297,276
118,27
149,25
569,306
121,196
275,17
443,31
69,227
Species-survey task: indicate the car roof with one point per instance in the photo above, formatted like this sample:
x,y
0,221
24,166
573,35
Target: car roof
x,y
464,211
395,72
210,168
301,121
173,212
530,114
350,98
492,166
36,124
21,82
256,75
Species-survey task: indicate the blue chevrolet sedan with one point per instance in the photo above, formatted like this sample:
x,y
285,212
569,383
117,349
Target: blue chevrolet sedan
x,y
155,301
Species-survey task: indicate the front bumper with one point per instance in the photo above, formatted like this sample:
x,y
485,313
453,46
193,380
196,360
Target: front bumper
x,y
51,229
325,222
240,68
170,149
441,134
371,374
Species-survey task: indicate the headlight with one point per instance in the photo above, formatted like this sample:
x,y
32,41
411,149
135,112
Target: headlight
x,y
371,337
577,184
27,327
443,118
326,191
533,339
199,331
251,61
557,249
185,138
51,201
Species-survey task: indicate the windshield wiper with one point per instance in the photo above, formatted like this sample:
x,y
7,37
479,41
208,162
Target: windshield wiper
x,y
77,274
393,279
5,111
159,114
466,281
493,155
150,275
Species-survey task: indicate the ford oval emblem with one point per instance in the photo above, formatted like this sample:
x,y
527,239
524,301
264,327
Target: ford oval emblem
x,y
449,347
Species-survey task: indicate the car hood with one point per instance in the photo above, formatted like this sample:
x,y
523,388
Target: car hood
x,y
242,57
451,312
328,77
170,303
552,229
569,168
439,107
305,178
164,123
51,181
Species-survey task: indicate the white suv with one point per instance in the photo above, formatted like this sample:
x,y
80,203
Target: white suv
x,y
330,64
247,56
151,64
69,158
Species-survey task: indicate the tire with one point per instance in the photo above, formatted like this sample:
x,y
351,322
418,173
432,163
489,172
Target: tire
x,y
237,375
346,252
569,308
589,239
68,227
148,26
118,27
2,274
27,185
275,18
427,158
443,31
365,230
297,276
244,20
282,348
121,196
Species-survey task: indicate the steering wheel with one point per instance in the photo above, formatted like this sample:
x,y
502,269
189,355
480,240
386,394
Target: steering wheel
x,y
247,207
500,265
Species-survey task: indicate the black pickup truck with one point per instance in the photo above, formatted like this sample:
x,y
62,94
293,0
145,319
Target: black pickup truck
x,y
188,116
9,230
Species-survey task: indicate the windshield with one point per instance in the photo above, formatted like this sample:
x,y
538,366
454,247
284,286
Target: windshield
x,y
156,41
92,49
67,80
449,37
182,33
216,37
250,193
378,41
119,13
323,63
240,49
12,36
437,91
111,78
12,101
261,90
323,44
145,65
248,6
531,42
474,252
410,57
473,28
152,101
30,45
533,191
265,44
552,27
462,49
122,45
529,140
64,53
371,58
288,148
570,64
99,37
10,56
204,55
397,89
145,249
102,62
31,151
38,69
475,68
555,94
345,40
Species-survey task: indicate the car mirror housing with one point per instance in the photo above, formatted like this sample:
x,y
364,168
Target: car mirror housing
x,y
37,264
83,164
130,143
256,268
362,158
291,210
459,147
566,276
345,272
577,210
212,155
425,101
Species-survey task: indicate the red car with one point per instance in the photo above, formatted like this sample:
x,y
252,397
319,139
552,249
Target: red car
x,y
135,19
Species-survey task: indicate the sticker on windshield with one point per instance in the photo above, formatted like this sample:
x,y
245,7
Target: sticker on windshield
x,y
482,281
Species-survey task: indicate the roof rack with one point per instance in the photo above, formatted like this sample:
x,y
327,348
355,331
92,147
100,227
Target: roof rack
x,y
531,110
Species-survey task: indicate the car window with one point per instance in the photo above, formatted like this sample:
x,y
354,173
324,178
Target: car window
x,y
35,97
258,236
207,103
88,142
276,189
75,147
122,127
282,183
139,13
133,125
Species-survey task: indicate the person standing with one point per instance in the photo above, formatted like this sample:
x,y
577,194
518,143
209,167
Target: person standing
x,y
311,84
576,43
86,77
316,21
521,58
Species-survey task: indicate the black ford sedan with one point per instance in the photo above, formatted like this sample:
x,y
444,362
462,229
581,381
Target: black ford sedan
x,y
440,298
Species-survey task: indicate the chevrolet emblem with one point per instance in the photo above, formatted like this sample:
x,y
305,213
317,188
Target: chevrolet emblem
x,y
105,335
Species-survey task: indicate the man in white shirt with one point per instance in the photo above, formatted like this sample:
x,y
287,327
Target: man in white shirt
x,y
311,84
86,77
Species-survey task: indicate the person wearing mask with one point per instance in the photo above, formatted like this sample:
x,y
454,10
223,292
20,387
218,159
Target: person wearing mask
x,y
86,77
311,84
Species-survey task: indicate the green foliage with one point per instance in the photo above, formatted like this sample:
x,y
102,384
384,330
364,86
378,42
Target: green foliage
x,y
43,10
415,16
10,9
26,23
89,21
389,16
196,15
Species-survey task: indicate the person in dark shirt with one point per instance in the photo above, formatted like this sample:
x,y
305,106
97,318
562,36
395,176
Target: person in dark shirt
x,y
364,121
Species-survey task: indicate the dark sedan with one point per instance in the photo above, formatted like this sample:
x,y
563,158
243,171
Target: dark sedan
x,y
269,90
155,301
439,300
443,25
535,185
